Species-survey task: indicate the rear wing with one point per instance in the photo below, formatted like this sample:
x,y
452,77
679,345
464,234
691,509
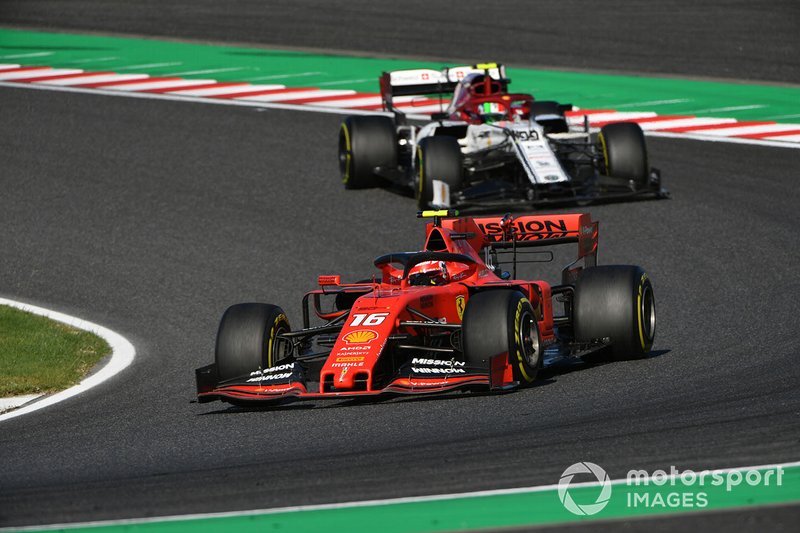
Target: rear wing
x,y
490,234
425,81
527,231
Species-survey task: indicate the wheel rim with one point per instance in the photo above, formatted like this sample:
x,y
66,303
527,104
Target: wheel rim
x,y
604,150
344,154
419,184
273,357
648,312
528,340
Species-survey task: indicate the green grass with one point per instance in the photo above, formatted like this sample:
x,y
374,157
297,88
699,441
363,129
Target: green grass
x,y
40,355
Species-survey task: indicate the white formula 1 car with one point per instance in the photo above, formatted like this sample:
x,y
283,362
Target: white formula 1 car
x,y
489,147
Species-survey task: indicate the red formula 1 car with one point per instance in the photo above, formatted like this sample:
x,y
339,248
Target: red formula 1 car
x,y
450,316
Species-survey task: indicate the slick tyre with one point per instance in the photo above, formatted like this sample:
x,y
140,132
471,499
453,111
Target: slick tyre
x,y
624,152
437,158
246,339
616,303
498,322
365,143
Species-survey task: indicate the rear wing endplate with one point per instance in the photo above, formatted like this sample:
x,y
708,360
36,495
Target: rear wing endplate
x,y
424,81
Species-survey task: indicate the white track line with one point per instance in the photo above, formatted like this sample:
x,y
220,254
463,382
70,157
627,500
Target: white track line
x,y
787,138
614,116
719,139
206,71
767,118
653,102
350,102
91,60
95,78
374,503
122,355
344,82
231,89
667,122
321,109
285,76
150,85
56,72
149,65
745,129
732,108
6,404
33,54
35,72
212,101
293,95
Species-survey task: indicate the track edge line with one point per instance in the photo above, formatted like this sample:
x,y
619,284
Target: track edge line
x,y
122,355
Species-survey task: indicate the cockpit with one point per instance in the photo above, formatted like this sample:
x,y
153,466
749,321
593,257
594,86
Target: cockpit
x,y
473,85
479,98
425,268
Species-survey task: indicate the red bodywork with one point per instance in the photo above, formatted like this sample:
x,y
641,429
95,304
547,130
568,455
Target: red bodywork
x,y
476,90
358,360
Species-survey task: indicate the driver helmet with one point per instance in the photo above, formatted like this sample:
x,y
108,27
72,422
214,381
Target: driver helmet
x,y
429,273
491,112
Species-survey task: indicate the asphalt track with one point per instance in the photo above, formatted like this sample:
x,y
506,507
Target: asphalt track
x,y
150,217
738,39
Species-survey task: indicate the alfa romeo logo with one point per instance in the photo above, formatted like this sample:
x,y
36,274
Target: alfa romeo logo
x,y
602,498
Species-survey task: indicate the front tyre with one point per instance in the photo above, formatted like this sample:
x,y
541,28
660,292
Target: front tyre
x,y
616,303
437,159
365,143
246,339
624,152
500,322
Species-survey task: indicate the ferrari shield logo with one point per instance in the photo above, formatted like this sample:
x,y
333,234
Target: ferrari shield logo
x,y
460,304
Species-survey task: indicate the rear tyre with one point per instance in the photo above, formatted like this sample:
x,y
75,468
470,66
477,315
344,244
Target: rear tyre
x,y
437,158
498,322
624,152
616,303
366,142
246,339
550,116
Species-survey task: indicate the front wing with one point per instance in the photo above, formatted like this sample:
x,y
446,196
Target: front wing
x,y
295,387
500,193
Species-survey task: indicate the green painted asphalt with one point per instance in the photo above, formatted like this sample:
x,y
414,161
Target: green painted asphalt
x,y
330,71
535,507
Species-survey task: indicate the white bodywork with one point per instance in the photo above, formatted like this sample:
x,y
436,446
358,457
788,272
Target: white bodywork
x,y
527,141
420,76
